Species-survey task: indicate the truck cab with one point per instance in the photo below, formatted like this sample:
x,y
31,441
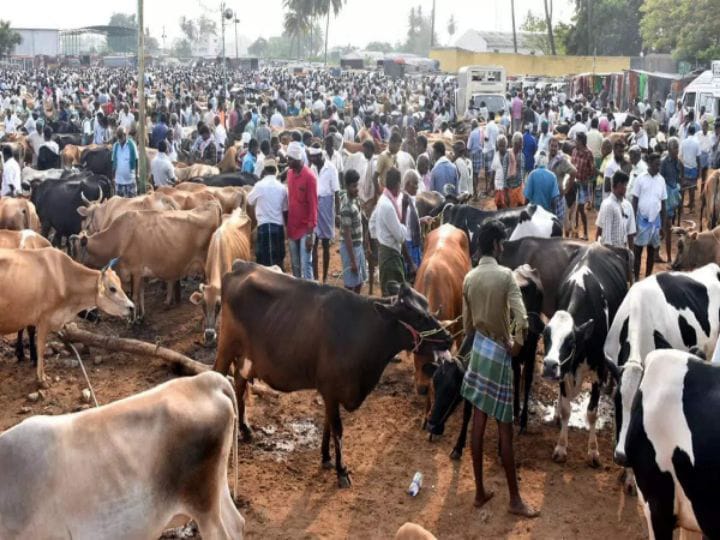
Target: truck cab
x,y
481,84
704,92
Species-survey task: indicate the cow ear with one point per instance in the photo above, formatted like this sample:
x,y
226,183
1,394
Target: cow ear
x,y
394,287
385,311
196,298
82,210
536,323
693,235
429,369
524,216
585,330
83,241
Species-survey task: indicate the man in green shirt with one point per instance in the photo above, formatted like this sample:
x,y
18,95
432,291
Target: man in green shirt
x,y
490,296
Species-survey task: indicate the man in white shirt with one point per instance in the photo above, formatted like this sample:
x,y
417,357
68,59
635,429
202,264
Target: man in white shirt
x,y
277,120
270,199
578,127
639,136
386,226
161,168
491,135
639,167
11,179
349,133
594,140
220,136
328,193
616,219
11,121
690,157
126,120
30,123
648,200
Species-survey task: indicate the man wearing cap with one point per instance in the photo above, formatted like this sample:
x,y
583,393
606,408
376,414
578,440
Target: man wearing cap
x,y
328,190
302,211
270,199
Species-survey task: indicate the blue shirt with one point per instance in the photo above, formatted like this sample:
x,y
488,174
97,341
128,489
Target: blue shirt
x,y
474,144
529,149
158,134
670,171
443,173
541,188
248,165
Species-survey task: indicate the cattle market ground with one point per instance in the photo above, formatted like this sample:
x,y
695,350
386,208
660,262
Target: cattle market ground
x,y
284,493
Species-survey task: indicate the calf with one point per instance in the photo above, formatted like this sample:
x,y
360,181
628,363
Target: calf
x,y
447,377
670,309
672,444
696,249
144,460
230,242
97,215
590,294
17,214
339,345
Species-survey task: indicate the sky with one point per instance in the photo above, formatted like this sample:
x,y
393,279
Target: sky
x,y
360,22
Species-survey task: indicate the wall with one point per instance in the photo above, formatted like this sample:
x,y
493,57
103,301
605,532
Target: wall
x,y
37,41
451,59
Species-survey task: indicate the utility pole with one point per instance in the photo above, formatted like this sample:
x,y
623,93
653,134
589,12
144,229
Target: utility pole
x,y
142,156
432,27
236,39
163,38
512,11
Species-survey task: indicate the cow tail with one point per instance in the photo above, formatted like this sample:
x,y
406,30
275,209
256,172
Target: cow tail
x,y
236,431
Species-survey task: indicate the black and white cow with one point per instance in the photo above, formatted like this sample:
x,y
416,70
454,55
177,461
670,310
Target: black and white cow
x,y
590,293
673,443
668,310
447,376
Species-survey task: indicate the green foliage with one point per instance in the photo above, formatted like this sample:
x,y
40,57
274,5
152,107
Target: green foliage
x,y
605,27
181,48
381,46
687,29
536,24
259,48
8,39
418,34
123,43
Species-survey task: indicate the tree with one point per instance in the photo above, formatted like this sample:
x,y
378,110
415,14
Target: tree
x,y
151,43
296,25
259,48
617,20
381,46
548,5
539,38
684,28
189,28
206,27
324,8
9,38
181,48
451,26
123,43
418,35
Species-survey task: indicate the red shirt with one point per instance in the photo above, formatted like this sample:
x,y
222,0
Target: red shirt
x,y
302,203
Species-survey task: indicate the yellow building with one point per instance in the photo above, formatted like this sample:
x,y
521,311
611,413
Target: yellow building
x,y
452,59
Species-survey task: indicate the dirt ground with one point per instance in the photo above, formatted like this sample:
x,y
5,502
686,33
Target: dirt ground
x,y
284,493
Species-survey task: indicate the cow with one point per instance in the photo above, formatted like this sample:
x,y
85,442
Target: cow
x,y
672,441
591,291
195,170
31,176
145,459
446,261
238,179
696,249
469,219
429,203
229,197
539,224
98,160
340,347
56,201
710,200
17,214
187,200
98,215
168,245
230,242
447,377
667,310
67,288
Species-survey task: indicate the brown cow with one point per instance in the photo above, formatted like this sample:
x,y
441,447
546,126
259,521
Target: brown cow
x,y
17,214
229,243
710,199
187,200
99,214
229,160
696,249
168,245
446,261
193,171
145,459
67,288
229,197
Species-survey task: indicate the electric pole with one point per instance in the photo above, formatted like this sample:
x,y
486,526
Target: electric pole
x,y
236,39
432,26
512,11
142,156
163,38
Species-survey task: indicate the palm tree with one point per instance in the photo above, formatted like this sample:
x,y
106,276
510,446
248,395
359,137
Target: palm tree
x,y
323,8
307,9
295,25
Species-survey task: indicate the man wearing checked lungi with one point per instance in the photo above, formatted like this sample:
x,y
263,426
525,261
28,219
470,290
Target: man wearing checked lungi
x,y
490,296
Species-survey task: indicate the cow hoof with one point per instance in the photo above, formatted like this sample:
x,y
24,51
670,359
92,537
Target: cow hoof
x,y
246,433
344,481
594,459
523,429
327,464
44,384
559,455
456,454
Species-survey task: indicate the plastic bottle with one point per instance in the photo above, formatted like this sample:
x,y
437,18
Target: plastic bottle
x,y
416,484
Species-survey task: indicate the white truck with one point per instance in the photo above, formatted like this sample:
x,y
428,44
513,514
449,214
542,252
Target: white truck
x,y
481,84
704,92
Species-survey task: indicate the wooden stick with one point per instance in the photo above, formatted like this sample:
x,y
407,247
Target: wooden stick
x,y
133,346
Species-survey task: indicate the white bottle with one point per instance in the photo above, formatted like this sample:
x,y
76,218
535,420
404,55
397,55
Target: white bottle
x,y
415,485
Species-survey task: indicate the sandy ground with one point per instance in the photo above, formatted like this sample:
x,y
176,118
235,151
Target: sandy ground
x,y
285,493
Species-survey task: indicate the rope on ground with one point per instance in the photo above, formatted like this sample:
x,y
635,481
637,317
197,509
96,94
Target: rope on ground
x,y
82,366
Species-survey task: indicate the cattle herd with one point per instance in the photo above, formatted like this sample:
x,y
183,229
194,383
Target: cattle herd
x,y
70,245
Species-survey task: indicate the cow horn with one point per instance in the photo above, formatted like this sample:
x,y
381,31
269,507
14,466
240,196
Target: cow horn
x,y
679,231
111,264
693,225
100,196
84,198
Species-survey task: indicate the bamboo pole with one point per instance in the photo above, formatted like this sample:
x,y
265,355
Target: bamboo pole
x,y
142,156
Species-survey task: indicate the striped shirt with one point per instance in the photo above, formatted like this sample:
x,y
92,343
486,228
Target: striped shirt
x,y
350,217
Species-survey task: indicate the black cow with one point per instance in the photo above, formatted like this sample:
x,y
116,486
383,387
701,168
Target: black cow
x,y
63,139
447,377
64,127
97,160
229,179
47,159
340,347
57,201
673,441
590,294
469,219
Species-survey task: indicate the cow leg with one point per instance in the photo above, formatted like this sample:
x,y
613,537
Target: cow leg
x,y
593,453
528,372
232,520
19,348
325,448
32,343
560,452
332,414
241,392
40,341
177,292
457,452
138,292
